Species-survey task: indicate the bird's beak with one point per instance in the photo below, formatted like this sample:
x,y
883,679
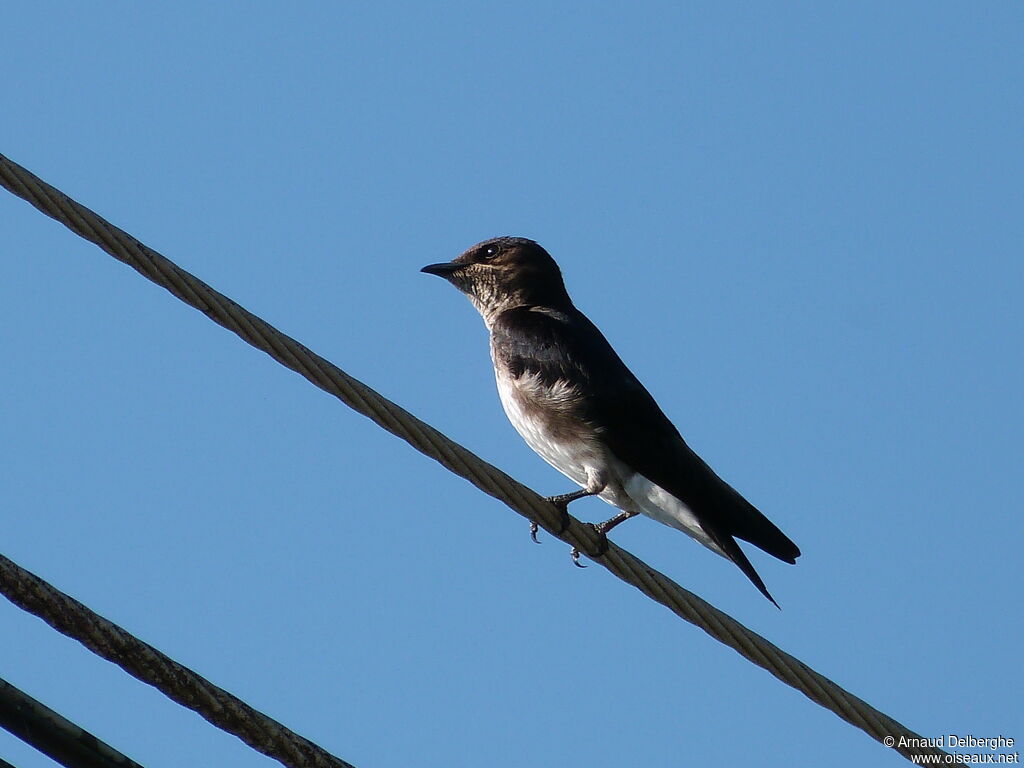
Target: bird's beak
x,y
445,269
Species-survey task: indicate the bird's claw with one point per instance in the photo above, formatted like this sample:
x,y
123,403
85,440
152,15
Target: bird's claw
x,y
602,547
533,532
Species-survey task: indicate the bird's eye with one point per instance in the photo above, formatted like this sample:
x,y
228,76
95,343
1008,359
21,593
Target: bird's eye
x,y
489,253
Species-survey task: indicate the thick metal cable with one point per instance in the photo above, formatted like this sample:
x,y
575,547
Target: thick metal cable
x,y
143,661
451,455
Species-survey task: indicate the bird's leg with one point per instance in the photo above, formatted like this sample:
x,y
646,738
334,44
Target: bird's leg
x,y
607,525
562,501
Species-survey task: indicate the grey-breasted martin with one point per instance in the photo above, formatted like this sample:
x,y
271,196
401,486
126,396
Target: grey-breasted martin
x,y
576,404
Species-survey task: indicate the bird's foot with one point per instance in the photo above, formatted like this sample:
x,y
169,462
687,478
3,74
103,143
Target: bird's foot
x,y
602,529
561,501
533,532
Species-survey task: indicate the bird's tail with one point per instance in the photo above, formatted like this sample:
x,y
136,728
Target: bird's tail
x,y
732,550
748,523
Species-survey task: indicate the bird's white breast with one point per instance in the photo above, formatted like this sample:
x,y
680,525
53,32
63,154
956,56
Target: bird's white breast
x,y
522,398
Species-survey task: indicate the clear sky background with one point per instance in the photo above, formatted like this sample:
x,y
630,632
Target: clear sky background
x,y
801,226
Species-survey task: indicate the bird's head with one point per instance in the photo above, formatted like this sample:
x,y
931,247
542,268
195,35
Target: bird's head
x,y
505,272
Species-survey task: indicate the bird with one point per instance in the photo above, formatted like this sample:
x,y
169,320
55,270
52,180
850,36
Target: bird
x,y
576,404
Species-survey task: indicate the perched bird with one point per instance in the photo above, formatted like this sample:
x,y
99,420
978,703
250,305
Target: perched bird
x,y
577,405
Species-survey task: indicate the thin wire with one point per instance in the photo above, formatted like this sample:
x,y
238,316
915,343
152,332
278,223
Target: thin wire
x,y
53,734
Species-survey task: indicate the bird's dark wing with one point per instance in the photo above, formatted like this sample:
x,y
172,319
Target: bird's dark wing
x,y
566,346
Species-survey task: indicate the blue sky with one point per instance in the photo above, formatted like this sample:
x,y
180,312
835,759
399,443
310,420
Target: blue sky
x,y
800,225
